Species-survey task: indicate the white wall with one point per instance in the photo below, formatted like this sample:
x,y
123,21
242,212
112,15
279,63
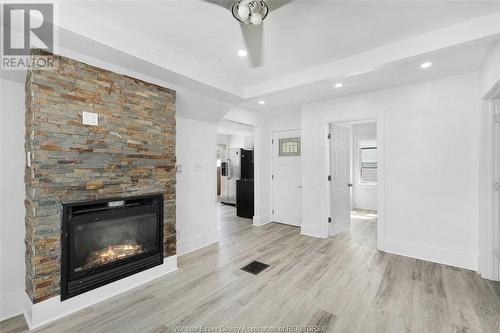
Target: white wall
x,y
285,120
237,141
222,139
11,198
243,140
196,185
489,74
364,196
428,136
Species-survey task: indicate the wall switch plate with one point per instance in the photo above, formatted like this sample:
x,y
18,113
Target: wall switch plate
x,y
89,118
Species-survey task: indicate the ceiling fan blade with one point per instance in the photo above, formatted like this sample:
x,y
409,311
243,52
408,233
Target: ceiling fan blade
x,y
228,4
276,4
253,37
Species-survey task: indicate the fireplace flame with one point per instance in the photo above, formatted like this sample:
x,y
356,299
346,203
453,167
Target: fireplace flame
x,y
112,253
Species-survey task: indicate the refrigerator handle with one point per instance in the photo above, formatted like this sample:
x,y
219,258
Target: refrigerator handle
x,y
229,169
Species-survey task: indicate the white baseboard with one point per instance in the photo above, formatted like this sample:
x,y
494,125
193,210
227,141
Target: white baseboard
x,y
259,221
318,231
467,260
11,304
42,313
197,242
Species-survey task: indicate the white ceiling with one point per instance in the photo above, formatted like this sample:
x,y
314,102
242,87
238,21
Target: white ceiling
x,y
454,61
191,46
303,34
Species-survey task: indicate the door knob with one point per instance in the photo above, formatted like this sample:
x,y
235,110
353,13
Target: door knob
x,y
350,185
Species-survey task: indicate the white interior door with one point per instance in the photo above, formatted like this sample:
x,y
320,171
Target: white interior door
x,y
340,190
286,182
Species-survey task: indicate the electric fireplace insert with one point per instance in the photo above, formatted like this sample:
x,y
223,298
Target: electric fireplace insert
x,y
107,240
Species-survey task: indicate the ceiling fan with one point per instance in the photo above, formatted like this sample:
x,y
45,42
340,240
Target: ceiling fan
x,y
250,14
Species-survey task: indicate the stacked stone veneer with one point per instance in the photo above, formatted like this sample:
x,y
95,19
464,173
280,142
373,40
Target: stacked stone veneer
x,y
130,152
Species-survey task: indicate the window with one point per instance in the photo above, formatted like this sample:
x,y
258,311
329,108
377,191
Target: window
x,y
289,147
368,165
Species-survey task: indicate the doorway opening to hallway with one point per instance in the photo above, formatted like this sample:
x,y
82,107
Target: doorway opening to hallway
x,y
235,174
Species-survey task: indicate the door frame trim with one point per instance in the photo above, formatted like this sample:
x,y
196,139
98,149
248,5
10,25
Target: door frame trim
x,y
489,172
273,131
379,120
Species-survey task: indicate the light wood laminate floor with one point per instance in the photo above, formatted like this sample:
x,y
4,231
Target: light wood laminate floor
x,y
342,284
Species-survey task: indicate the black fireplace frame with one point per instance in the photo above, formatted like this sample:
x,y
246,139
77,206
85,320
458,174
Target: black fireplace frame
x,y
72,285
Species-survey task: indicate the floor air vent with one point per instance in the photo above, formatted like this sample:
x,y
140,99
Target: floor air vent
x,y
255,267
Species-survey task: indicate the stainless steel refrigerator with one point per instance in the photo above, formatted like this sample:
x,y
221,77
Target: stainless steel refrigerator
x,y
230,173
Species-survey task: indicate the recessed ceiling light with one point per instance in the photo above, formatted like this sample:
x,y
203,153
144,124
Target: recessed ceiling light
x,y
339,85
262,102
426,65
242,53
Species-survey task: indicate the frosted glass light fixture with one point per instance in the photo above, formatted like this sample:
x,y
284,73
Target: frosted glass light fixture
x,y
250,11
243,12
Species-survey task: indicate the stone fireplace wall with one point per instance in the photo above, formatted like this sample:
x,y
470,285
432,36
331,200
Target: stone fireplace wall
x,y
130,152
